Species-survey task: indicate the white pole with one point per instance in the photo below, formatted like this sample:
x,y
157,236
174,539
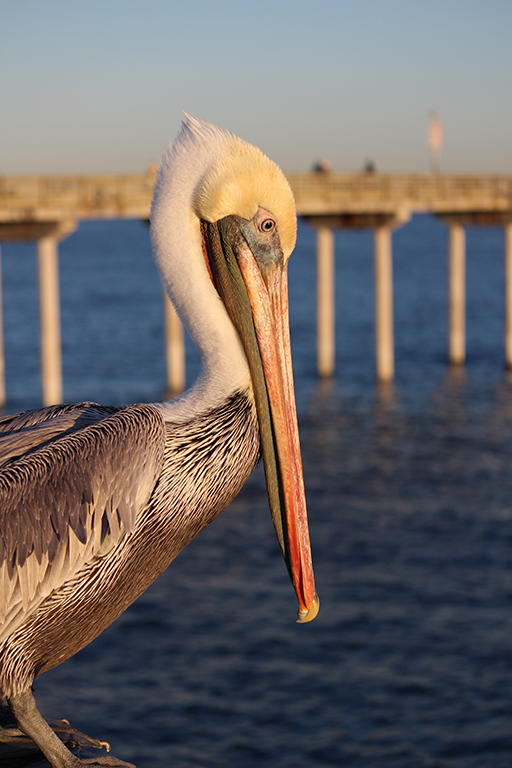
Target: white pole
x,y
2,355
384,341
51,365
508,294
457,293
325,301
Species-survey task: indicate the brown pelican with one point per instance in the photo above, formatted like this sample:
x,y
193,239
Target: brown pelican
x,y
95,502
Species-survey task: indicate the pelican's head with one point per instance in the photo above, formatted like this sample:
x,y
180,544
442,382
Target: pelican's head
x,y
241,209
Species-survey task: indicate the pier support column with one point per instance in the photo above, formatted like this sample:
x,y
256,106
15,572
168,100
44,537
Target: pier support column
x,y
49,314
457,294
325,313
508,294
384,342
47,234
174,349
457,268
382,224
2,355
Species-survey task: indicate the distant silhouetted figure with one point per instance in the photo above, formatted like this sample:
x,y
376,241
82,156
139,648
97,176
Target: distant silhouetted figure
x,y
369,167
435,141
322,166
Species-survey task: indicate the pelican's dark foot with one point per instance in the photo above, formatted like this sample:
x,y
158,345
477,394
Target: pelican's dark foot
x,y
32,724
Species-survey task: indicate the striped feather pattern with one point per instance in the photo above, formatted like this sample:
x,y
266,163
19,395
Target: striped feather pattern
x,y
201,469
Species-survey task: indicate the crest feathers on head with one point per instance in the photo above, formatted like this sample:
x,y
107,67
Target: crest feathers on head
x,y
241,180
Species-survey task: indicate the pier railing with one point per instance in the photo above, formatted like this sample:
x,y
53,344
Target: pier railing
x,y
45,209
47,198
53,198
437,193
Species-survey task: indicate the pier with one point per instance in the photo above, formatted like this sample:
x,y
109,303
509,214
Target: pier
x,y
45,209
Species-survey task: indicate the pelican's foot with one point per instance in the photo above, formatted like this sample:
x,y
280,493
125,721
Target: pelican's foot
x,y
33,725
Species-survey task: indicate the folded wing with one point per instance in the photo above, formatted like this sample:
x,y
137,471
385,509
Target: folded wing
x,y
72,481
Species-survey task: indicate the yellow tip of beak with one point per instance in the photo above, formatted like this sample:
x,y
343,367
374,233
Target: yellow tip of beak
x,y
310,614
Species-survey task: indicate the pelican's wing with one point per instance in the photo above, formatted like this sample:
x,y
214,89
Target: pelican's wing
x,y
70,496
24,432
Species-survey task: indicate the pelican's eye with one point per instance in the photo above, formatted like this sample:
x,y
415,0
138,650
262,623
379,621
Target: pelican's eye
x,y
267,225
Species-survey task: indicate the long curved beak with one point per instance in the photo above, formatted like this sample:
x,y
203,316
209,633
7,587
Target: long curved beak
x,y
255,293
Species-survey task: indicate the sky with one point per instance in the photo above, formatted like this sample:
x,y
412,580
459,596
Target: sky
x,y
100,86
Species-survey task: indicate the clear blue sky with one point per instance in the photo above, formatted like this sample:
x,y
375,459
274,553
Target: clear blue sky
x,y
100,85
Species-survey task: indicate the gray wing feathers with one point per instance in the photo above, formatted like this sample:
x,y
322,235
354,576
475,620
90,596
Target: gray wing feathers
x,y
28,431
63,502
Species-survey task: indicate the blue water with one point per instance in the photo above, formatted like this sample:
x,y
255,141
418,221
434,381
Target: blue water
x,y
409,487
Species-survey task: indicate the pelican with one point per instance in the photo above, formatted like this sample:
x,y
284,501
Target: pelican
x,y
95,501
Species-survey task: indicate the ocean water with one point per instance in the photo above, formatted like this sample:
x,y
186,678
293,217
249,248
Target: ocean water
x,y
409,662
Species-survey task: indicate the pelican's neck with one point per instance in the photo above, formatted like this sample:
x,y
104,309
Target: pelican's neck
x,y
176,238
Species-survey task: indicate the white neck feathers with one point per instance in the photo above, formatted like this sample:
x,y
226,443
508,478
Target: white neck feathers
x,y
176,239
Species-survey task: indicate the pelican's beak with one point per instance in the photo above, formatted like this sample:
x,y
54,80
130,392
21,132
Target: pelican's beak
x,y
248,269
